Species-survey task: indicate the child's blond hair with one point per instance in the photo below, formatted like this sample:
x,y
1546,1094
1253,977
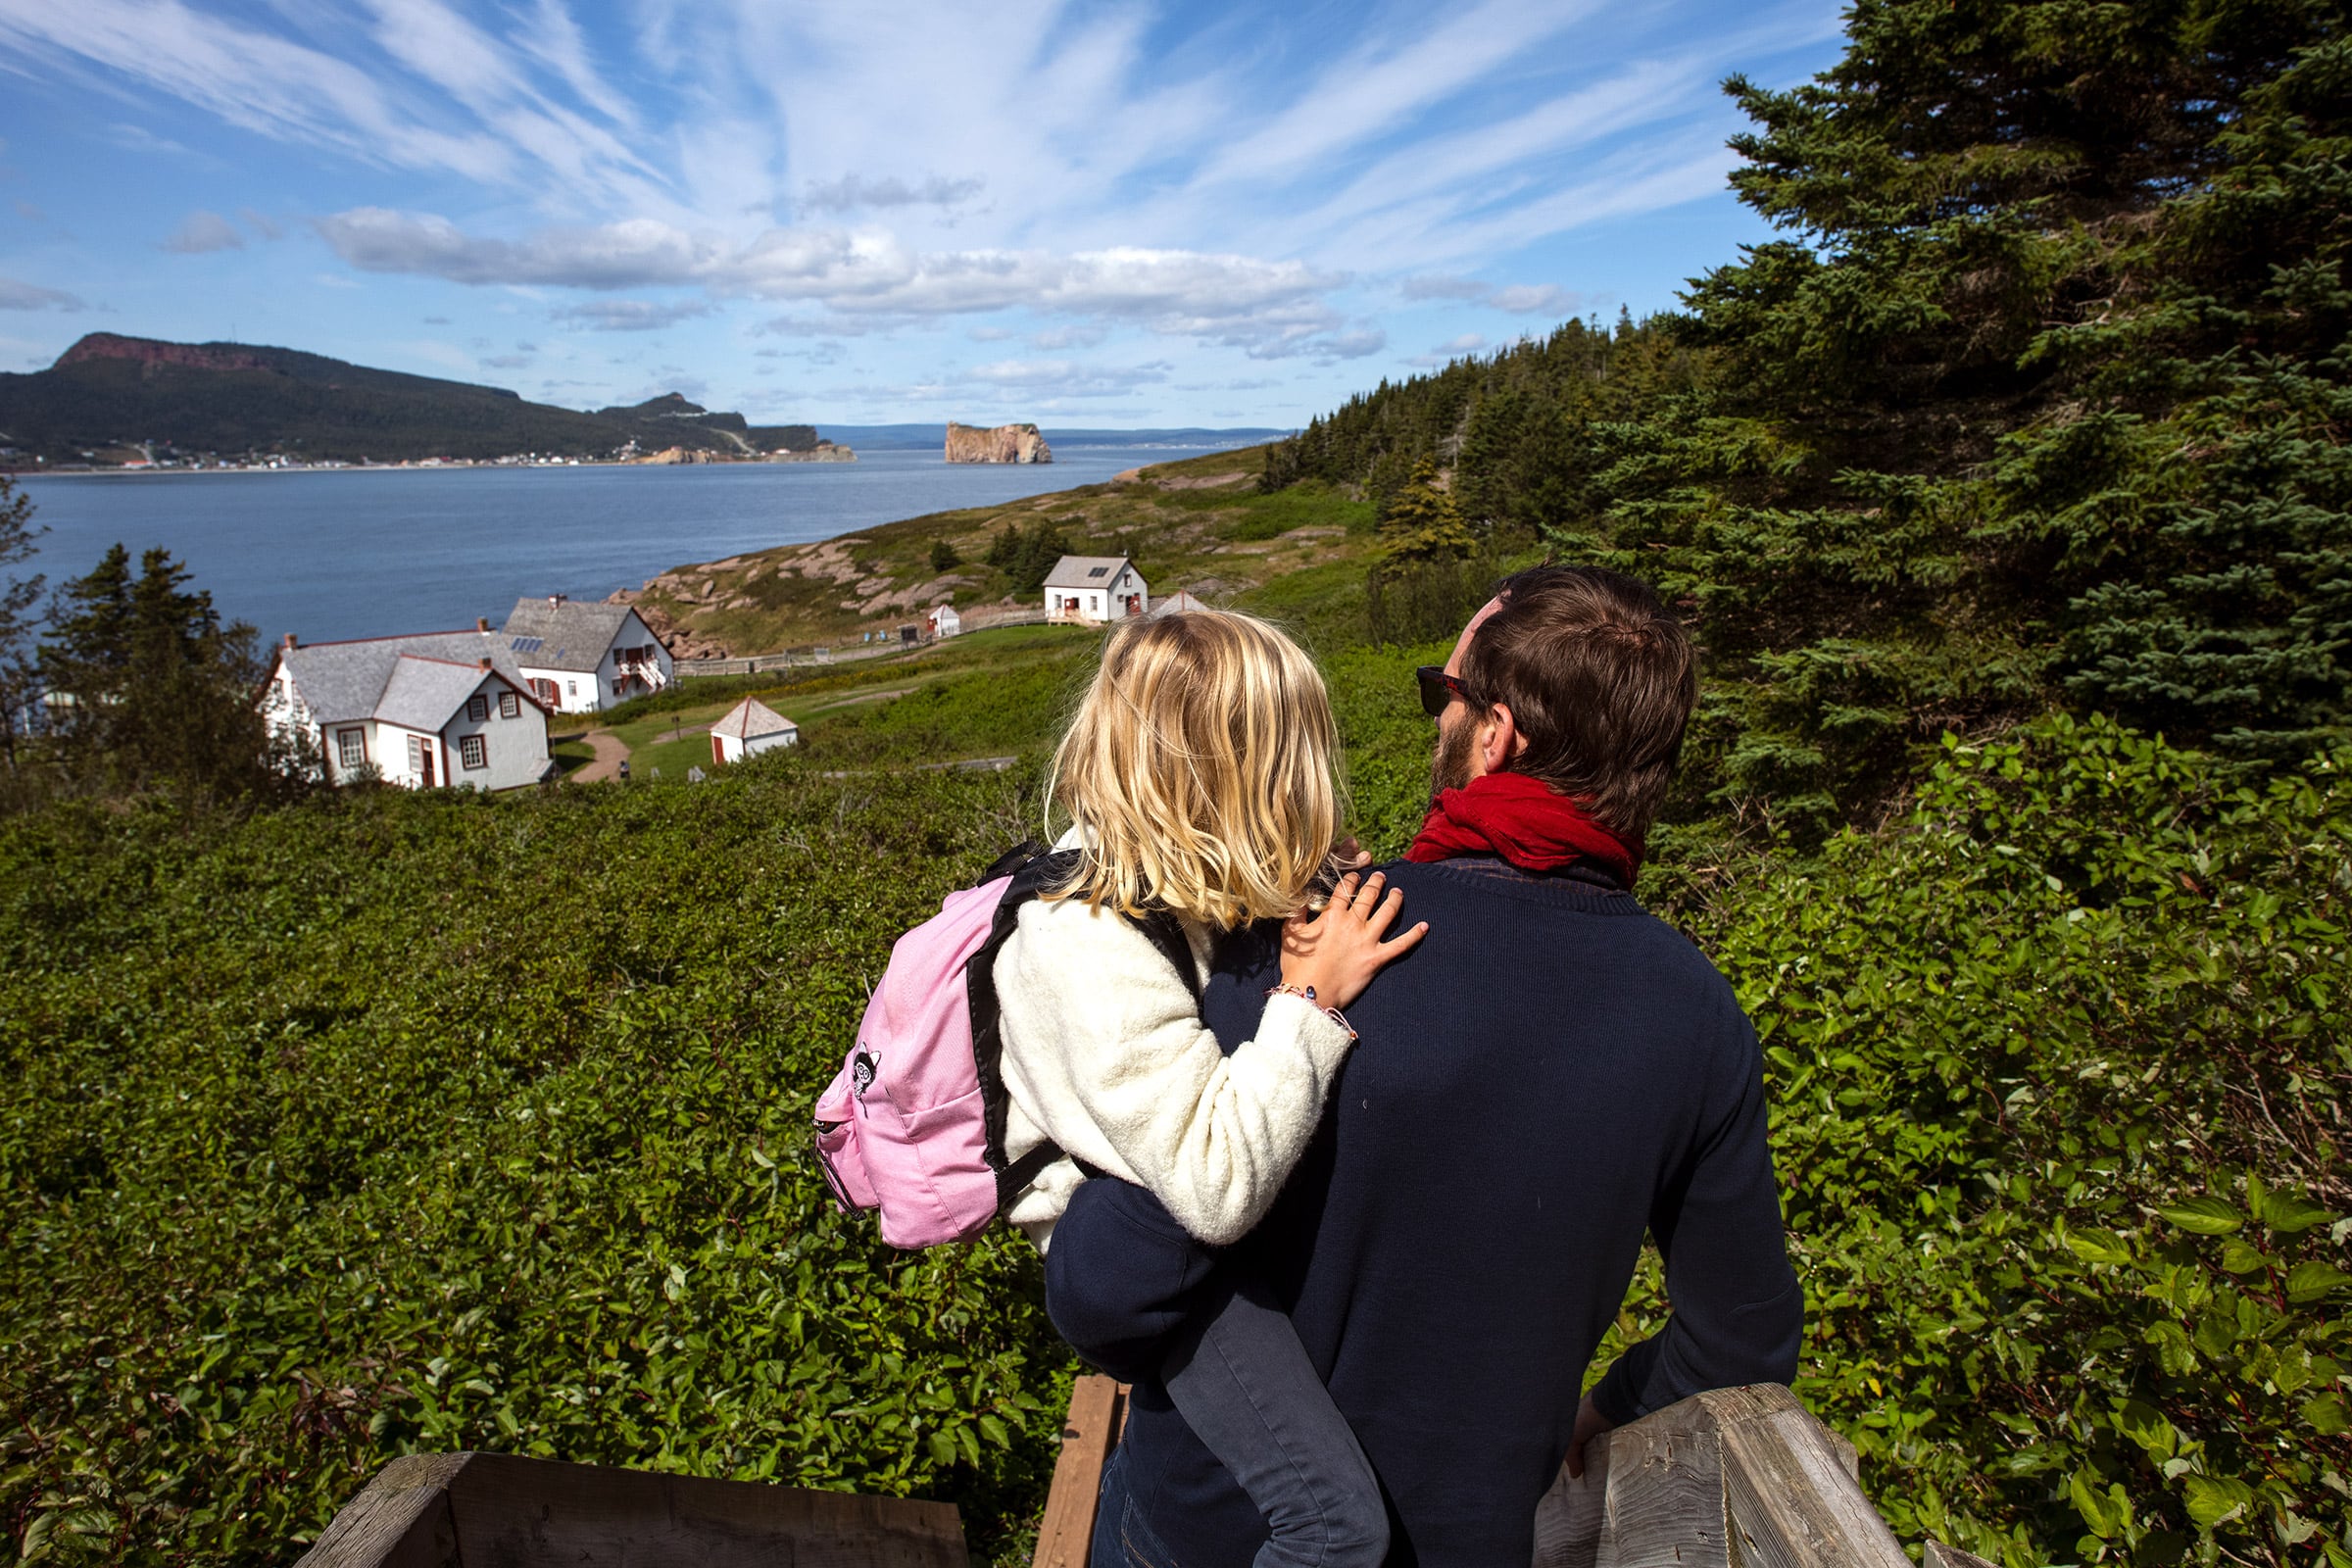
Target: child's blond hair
x,y
1202,767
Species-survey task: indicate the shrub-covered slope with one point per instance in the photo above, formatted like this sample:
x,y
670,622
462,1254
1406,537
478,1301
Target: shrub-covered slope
x,y
390,1122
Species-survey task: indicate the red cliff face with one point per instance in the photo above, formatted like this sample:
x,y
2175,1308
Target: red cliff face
x,y
147,351
1006,443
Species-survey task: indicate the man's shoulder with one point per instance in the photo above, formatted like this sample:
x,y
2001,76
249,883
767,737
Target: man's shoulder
x,y
1483,913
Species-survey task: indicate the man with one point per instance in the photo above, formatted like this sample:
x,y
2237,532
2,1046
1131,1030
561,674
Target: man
x,y
1552,1073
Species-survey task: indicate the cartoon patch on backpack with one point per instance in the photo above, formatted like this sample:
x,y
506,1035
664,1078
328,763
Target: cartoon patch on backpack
x,y
863,1068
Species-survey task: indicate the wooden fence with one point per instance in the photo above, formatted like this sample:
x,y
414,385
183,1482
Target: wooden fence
x,y
1737,1478
839,653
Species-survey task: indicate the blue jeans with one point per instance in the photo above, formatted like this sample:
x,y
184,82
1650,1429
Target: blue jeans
x,y
1242,1381
1122,1540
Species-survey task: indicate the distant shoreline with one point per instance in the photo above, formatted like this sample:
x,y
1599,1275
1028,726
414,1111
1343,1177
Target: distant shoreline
x,y
45,472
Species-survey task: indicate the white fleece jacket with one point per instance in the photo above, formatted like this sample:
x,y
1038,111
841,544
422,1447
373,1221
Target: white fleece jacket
x,y
1104,1054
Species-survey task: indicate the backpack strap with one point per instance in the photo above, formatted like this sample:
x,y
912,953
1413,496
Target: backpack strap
x,y
1033,868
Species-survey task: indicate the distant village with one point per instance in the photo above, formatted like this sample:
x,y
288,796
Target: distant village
x,y
472,709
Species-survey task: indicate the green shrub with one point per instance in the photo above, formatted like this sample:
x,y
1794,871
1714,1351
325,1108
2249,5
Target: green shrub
x,y
391,1123
2061,1069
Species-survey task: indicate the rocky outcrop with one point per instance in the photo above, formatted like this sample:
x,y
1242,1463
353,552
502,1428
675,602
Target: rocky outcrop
x,y
148,350
822,452
1006,443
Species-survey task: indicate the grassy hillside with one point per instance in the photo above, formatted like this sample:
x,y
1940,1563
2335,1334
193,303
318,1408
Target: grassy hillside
x,y
1198,524
393,1123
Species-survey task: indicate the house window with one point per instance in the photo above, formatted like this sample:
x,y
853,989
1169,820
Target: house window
x,y
477,706
416,754
510,705
473,752
574,687
351,745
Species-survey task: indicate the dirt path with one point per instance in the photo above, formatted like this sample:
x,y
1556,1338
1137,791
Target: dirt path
x,y
610,755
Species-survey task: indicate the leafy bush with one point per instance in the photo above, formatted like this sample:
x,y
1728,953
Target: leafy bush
x,y
2061,1070
388,1123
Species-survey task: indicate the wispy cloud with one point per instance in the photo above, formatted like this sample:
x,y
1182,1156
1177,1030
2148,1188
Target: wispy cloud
x,y
852,191
631,315
19,296
202,232
1097,183
1264,306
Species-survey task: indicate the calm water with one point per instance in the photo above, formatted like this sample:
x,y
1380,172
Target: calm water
x,y
346,554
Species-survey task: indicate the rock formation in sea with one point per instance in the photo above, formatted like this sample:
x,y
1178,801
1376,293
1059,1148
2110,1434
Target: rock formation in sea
x,y
1006,443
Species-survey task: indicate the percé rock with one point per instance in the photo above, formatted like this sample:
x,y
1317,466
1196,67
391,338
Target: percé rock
x,y
1006,443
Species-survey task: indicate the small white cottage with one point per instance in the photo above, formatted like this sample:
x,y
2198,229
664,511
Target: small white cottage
x,y
944,620
1095,589
437,708
750,728
585,658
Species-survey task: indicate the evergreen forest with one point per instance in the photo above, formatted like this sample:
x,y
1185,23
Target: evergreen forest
x,y
2007,494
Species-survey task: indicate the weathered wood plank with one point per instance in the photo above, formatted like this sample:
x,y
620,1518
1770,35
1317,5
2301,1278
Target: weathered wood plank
x,y
494,1510
1735,1478
1792,1501
537,1513
1098,1416
1939,1556
399,1519
1570,1519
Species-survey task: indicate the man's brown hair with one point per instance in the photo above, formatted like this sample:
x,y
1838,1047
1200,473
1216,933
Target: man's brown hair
x,y
1599,678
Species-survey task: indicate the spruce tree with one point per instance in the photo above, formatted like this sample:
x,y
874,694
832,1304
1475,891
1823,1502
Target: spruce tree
x,y
19,683
155,693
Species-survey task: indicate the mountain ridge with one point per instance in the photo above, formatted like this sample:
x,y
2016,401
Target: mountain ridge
x,y
110,391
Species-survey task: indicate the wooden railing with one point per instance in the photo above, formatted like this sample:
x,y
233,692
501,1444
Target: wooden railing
x,y
493,1511
1737,1478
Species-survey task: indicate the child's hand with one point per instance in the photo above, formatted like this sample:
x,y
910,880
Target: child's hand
x,y
1338,950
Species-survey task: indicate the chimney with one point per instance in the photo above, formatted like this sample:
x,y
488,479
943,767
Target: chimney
x,y
555,599
485,661
482,623
290,642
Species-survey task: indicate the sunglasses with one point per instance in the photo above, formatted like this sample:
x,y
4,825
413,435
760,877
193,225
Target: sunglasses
x,y
1438,688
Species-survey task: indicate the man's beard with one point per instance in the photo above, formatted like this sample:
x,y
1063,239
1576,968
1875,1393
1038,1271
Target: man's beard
x,y
1449,769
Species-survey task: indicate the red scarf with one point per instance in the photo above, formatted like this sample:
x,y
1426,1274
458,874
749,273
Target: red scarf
x,y
1521,819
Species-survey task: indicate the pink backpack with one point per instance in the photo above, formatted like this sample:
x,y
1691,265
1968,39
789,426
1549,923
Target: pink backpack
x,y
914,1124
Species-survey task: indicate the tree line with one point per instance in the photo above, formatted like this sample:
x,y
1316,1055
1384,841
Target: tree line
x,y
2037,400
127,682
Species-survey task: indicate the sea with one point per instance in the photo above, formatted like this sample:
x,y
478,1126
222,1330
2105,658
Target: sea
x,y
338,552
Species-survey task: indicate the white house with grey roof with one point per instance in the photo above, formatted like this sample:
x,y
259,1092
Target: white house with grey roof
x,y
1095,588
585,658
437,708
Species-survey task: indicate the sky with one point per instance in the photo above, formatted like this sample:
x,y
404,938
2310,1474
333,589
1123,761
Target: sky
x,y
866,211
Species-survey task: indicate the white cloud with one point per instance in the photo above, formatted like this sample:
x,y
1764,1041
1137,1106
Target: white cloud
x,y
263,225
1448,352
631,315
852,191
1441,288
1537,299
202,232
1068,380
19,296
633,254
1240,300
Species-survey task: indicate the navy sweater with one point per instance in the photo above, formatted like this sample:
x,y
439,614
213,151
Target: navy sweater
x,y
1551,1072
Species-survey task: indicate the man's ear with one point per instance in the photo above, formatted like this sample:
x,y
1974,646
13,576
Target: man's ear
x,y
1500,742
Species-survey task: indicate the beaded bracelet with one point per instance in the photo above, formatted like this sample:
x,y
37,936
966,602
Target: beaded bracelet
x,y
1306,994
